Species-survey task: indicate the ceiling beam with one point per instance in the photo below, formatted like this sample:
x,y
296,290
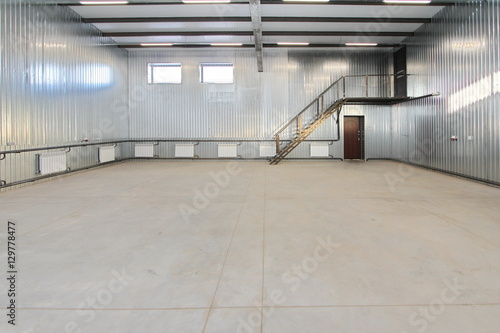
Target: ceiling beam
x,y
264,33
269,45
257,32
168,19
338,33
334,45
356,3
280,2
346,19
263,19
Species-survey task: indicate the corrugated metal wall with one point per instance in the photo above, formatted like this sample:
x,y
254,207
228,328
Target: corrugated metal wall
x,y
257,104
457,55
59,85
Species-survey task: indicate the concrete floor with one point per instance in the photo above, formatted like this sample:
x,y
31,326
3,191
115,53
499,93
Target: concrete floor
x,y
308,246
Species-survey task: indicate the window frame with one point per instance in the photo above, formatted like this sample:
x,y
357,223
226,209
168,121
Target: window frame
x,y
215,64
152,65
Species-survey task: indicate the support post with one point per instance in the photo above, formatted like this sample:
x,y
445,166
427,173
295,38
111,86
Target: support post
x,y
257,32
343,84
367,86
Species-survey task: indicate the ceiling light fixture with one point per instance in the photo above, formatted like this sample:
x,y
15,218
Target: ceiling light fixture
x,y
206,1
156,44
361,44
104,2
293,44
410,2
226,44
192,44
306,0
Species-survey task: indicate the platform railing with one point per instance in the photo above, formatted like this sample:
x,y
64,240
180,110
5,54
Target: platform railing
x,y
347,86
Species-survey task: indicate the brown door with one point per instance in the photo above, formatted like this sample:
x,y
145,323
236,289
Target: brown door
x,y
353,137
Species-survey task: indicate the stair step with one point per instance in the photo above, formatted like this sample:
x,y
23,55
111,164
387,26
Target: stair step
x,y
302,135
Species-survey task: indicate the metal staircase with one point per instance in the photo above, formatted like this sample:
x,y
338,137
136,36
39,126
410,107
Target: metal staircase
x,y
303,133
348,90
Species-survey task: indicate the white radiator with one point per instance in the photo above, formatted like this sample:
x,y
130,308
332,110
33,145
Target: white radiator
x,y
144,150
319,149
267,150
184,150
227,150
51,162
107,154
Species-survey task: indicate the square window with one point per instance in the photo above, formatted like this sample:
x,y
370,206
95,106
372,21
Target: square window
x,y
161,73
216,73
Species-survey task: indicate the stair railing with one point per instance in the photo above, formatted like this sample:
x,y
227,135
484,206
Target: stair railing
x,y
371,85
312,111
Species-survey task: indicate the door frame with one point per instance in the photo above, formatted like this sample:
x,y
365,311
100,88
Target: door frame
x,y
362,135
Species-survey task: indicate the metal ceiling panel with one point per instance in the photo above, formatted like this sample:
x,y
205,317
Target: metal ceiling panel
x,y
333,39
266,39
350,11
216,10
185,39
314,26
270,10
283,10
174,26
247,26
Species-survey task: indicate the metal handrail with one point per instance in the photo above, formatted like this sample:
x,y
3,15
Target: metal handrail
x,y
307,107
316,100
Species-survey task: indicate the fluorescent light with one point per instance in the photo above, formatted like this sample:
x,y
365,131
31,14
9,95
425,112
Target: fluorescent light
x,y
361,44
103,2
156,44
206,1
292,44
412,2
226,44
193,44
306,0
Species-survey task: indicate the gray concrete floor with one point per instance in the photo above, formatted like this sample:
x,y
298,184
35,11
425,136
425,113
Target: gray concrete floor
x,y
306,246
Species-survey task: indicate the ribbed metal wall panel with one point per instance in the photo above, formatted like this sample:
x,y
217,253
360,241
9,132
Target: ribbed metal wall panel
x,y
457,54
377,133
257,104
59,85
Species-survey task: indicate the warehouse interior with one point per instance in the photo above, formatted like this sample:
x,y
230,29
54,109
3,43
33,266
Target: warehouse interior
x,y
250,166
